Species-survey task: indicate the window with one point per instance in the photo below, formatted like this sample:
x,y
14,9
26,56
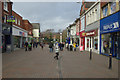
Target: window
x,y
106,43
113,7
119,5
6,6
18,22
5,18
15,20
105,11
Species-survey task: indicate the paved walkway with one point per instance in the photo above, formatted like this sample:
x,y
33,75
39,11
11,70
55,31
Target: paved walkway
x,y
40,63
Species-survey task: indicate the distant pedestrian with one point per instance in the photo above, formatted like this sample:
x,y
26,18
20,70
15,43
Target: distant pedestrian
x,y
42,45
29,47
74,46
36,44
57,52
26,46
51,46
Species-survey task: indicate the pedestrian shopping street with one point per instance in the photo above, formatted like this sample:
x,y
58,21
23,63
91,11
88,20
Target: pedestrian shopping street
x,y
40,63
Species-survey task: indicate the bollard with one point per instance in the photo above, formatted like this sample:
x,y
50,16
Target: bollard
x,y
90,54
110,61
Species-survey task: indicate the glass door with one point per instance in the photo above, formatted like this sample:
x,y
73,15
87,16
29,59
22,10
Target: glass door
x,y
118,45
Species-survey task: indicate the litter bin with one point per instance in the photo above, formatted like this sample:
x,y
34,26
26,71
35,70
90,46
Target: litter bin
x,y
71,47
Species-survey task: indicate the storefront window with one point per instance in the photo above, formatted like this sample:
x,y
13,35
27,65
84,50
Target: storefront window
x,y
105,11
113,7
87,43
106,43
17,42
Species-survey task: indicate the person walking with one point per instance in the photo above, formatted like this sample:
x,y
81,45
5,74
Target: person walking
x,y
42,46
57,53
51,46
26,46
74,46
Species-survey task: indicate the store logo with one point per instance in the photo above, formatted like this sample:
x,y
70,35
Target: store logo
x,y
111,26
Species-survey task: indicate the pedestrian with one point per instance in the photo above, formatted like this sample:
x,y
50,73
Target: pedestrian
x,y
51,46
33,44
42,45
57,53
74,46
67,45
36,44
26,46
29,47
60,46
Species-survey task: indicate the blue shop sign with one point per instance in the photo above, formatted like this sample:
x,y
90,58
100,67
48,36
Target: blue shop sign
x,y
110,23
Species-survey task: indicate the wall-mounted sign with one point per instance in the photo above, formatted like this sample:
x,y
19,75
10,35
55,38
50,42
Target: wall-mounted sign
x,y
10,19
110,23
91,33
82,34
22,33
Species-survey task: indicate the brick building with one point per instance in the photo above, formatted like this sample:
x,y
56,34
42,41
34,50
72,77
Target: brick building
x,y
28,27
6,26
18,32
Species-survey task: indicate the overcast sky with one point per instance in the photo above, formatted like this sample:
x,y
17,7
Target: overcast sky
x,y
51,15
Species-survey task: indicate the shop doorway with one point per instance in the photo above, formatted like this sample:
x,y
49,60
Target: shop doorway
x,y
115,48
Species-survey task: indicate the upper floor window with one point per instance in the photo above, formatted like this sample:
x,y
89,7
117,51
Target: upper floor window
x,y
18,22
113,7
119,4
5,18
15,20
6,6
105,11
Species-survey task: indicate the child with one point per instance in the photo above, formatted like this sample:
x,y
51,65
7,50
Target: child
x,y
57,52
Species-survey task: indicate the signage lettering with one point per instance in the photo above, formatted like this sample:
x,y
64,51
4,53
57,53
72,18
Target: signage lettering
x,y
111,26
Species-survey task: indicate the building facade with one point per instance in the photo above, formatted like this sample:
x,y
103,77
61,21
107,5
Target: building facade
x,y
92,28
7,44
19,34
28,27
77,21
0,27
110,29
73,33
36,31
85,6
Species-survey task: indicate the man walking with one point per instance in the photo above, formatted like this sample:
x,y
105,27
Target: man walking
x,y
51,46
26,46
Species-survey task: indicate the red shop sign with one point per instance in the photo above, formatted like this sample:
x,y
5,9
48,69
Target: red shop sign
x,y
82,34
91,33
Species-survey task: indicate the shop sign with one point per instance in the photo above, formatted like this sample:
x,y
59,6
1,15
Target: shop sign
x,y
10,19
91,33
110,23
22,33
82,34
111,26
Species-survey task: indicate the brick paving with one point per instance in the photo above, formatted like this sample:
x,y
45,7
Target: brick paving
x,y
39,63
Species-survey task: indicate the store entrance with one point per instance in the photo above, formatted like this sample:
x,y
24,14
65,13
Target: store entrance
x,y
116,44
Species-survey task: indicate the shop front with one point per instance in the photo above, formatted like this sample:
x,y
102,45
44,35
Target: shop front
x,y
19,37
91,40
82,41
110,35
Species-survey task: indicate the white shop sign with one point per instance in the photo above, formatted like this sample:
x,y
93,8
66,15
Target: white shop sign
x,y
18,32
